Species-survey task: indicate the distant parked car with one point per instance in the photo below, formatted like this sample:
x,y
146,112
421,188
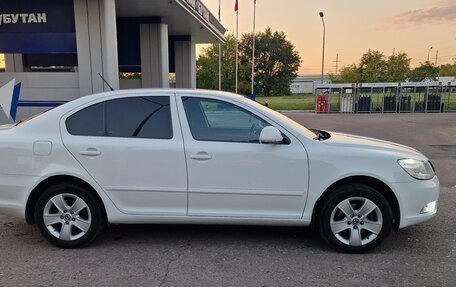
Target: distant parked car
x,y
203,157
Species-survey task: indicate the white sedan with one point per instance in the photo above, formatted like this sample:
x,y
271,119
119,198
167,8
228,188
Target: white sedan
x,y
203,157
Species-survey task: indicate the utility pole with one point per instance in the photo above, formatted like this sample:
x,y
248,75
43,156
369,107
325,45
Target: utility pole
x,y
337,63
436,57
323,53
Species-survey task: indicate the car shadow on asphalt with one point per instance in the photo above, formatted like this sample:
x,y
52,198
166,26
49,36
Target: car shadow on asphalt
x,y
167,237
211,234
171,236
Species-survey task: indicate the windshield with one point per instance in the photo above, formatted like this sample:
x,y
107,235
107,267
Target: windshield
x,y
296,126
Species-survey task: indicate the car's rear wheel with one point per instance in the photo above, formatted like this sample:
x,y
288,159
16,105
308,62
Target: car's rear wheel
x,y
355,218
68,215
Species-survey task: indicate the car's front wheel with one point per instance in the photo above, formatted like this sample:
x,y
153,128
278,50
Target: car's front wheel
x,y
68,215
355,218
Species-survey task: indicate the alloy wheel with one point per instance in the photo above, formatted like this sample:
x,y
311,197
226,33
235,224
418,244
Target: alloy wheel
x,y
67,217
356,221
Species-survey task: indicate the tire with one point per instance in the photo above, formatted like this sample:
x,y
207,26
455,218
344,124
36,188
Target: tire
x,y
355,218
69,216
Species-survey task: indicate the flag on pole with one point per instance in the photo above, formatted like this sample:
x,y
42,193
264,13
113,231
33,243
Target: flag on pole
x,y
236,7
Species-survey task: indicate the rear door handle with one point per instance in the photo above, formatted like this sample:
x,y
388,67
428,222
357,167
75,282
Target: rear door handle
x,y
92,152
201,156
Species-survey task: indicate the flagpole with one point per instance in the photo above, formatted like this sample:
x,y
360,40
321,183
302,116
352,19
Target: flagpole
x,y
237,46
253,47
220,54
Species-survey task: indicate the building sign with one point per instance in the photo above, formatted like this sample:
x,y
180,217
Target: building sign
x,y
422,84
23,18
37,26
199,8
302,87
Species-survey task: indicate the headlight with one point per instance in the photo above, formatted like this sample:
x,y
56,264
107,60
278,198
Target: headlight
x,y
419,169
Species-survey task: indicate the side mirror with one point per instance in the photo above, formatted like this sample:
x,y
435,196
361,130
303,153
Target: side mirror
x,y
271,135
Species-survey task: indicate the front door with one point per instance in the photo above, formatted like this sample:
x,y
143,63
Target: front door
x,y
230,174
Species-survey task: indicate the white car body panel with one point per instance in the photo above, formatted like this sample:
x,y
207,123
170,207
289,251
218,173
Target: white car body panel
x,y
240,184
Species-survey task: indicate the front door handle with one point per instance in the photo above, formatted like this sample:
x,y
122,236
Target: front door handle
x,y
92,152
201,156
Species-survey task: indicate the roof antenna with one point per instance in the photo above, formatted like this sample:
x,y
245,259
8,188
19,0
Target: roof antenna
x,y
112,89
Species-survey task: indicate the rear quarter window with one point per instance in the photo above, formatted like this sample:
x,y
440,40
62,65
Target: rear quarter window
x,y
87,122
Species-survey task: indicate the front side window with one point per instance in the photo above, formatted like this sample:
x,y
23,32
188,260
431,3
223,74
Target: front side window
x,y
137,117
214,120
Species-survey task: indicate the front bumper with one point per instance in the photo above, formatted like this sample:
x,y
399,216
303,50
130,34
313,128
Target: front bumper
x,y
413,197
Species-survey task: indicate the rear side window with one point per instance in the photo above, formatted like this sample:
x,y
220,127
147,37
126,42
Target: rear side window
x,y
138,117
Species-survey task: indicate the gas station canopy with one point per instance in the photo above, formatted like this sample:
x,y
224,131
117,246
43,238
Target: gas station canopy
x,y
183,17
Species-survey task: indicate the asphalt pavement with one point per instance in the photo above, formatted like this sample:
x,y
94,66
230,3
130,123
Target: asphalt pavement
x,y
177,255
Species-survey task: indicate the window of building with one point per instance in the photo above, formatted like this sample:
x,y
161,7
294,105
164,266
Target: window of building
x,y
2,62
52,62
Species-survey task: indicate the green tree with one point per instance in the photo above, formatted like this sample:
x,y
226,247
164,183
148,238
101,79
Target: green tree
x,y
350,74
276,64
207,68
373,67
448,70
426,71
333,78
276,61
398,67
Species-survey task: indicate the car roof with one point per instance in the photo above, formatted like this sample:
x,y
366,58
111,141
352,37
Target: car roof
x,y
155,91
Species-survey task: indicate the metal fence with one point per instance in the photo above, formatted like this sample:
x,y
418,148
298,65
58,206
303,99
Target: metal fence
x,y
420,97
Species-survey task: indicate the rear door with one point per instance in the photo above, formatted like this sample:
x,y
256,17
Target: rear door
x,y
132,146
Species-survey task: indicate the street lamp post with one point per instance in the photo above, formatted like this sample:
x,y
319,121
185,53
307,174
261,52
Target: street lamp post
x,y
429,52
323,54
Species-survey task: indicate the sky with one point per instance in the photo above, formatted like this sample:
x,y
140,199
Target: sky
x,y
352,28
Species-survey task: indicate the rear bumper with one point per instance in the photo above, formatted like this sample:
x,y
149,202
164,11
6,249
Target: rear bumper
x,y
14,192
413,197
